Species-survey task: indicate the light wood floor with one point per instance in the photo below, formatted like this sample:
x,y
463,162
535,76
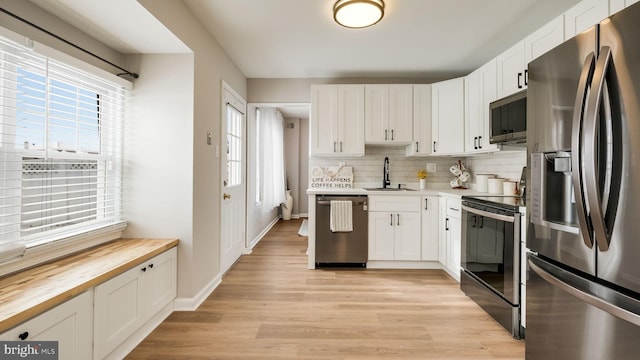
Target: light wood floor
x,y
269,306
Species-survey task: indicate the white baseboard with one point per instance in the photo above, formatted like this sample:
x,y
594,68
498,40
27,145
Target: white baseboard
x,y
423,265
137,337
191,304
264,232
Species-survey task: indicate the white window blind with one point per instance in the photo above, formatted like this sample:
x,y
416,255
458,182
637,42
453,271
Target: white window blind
x,y
60,149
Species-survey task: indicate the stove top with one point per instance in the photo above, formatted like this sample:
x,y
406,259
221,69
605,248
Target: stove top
x,y
505,202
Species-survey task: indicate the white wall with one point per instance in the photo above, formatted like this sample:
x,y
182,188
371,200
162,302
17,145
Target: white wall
x,y
292,160
211,66
159,155
303,175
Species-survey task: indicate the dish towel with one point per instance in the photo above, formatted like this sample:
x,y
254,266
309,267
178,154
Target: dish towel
x,y
341,216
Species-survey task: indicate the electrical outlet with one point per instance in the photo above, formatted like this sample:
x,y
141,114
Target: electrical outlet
x,y
431,168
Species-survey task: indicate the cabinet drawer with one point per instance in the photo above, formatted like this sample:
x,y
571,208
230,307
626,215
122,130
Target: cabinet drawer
x,y
454,208
394,203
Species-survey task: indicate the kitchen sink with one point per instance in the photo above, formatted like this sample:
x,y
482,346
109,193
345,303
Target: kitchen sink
x,y
388,189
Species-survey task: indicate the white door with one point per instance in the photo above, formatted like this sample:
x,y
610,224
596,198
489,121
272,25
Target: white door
x,y
233,194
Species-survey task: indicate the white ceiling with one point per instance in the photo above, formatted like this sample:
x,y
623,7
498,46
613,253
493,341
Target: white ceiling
x,y
298,38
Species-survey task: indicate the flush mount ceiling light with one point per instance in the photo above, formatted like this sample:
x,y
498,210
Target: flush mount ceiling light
x,y
358,13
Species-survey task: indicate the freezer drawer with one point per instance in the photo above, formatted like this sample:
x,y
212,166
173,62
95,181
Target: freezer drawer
x,y
568,317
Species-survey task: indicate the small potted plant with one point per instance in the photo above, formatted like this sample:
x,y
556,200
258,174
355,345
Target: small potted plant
x,y
422,175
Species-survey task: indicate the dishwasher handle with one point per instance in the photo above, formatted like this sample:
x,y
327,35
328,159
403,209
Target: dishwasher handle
x,y
354,202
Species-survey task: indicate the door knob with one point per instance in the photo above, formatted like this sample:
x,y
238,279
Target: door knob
x,y
226,196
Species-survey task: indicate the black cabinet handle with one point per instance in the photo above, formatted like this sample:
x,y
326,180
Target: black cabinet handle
x,y
434,146
391,134
446,224
479,142
391,222
150,266
385,135
398,219
519,77
526,77
340,146
23,336
144,269
417,146
426,204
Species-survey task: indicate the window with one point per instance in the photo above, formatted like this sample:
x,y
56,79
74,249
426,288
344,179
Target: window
x,y
60,149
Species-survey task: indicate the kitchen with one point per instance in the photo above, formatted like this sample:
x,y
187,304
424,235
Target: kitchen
x,y
194,99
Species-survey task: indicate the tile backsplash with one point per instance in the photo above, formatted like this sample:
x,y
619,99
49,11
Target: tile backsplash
x,y
367,170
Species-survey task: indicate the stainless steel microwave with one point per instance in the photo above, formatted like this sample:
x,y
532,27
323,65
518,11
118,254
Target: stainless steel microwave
x,y
508,119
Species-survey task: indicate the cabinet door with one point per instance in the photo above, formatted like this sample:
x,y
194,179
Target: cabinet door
x,y
473,115
584,15
448,117
443,225
544,39
160,281
421,145
381,236
400,114
617,5
350,120
454,237
376,114
511,66
70,323
408,243
118,310
430,229
323,120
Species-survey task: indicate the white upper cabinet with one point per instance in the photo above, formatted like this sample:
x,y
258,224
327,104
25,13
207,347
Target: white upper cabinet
x,y
388,114
617,5
511,70
544,39
480,90
421,145
337,120
584,15
447,109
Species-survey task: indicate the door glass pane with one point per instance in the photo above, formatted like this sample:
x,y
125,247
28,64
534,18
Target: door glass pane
x,y
235,128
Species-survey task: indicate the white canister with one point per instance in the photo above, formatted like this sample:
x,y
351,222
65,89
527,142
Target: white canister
x,y
495,185
509,188
481,182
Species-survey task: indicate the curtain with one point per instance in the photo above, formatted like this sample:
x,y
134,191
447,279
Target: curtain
x,y
272,141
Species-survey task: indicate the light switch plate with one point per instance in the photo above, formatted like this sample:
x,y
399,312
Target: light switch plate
x,y
431,167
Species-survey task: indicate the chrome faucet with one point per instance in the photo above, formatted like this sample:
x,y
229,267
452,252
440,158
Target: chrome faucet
x,y
385,174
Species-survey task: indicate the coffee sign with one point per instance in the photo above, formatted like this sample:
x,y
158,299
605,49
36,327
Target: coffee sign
x,y
332,177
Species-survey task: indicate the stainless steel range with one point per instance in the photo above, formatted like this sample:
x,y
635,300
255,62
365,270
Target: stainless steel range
x,y
491,256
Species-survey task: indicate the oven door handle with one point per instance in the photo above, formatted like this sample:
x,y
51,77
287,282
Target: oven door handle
x,y
489,215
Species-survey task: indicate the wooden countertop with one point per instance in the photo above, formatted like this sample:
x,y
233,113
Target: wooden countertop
x,y
28,293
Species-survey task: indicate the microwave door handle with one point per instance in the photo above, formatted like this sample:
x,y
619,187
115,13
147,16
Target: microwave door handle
x,y
591,147
577,144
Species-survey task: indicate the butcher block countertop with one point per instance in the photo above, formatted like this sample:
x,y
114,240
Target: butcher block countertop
x,y
30,292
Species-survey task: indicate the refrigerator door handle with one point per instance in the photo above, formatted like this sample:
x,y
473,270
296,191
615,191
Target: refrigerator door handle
x,y
588,298
591,148
577,144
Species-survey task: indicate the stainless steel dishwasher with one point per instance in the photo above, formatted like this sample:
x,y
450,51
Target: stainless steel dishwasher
x,y
342,248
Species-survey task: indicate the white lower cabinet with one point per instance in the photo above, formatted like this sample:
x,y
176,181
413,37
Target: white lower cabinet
x,y
70,324
126,302
451,222
394,228
430,228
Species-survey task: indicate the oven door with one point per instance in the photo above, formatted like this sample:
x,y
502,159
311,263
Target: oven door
x,y
491,248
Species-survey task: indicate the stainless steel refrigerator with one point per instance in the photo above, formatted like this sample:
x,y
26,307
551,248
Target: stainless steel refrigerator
x,y
583,200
